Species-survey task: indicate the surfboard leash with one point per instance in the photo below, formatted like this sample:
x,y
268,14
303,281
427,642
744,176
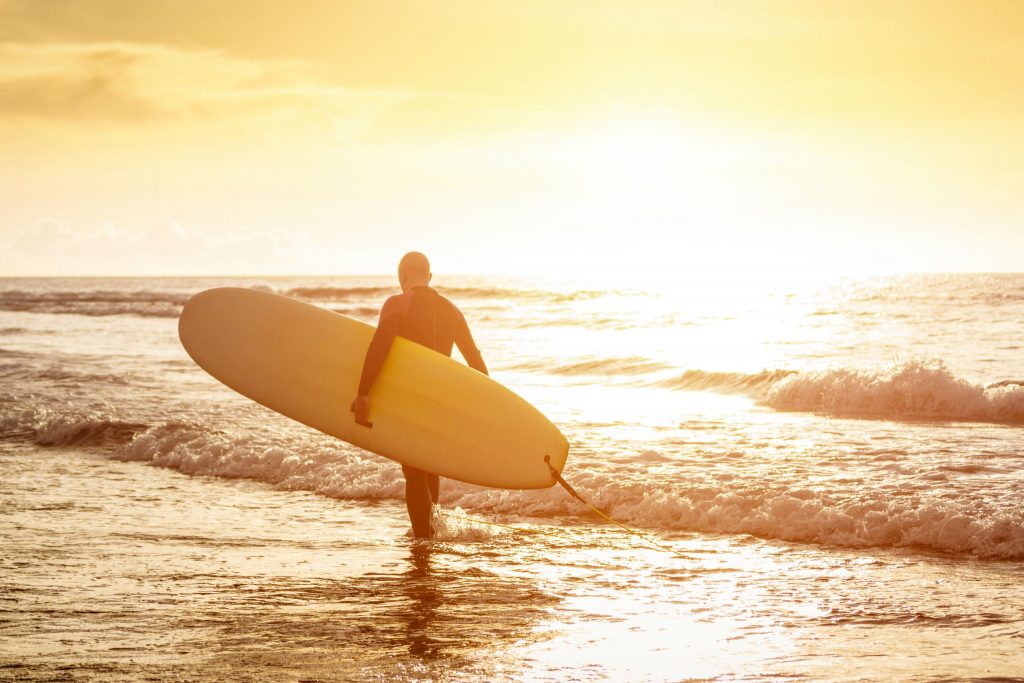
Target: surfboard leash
x,y
642,536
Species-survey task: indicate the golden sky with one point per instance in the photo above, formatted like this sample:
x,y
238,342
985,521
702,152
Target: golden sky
x,y
549,136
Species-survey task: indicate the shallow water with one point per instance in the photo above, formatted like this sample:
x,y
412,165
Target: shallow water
x,y
840,515
127,574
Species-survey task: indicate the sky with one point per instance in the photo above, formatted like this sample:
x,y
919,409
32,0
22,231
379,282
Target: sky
x,y
536,137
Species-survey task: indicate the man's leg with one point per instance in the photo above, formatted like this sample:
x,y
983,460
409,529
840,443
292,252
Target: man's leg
x,y
418,501
434,484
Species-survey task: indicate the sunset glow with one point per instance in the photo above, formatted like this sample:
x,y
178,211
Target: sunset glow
x,y
325,137
531,340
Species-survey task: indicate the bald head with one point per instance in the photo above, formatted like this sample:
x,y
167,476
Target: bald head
x,y
413,271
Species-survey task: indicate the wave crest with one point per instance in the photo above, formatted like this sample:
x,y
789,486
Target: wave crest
x,y
914,389
773,510
727,382
874,519
630,365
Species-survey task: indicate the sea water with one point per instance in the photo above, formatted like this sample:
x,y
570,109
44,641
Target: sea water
x,y
838,467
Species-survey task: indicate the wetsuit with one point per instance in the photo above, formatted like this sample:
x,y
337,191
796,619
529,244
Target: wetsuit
x,y
425,317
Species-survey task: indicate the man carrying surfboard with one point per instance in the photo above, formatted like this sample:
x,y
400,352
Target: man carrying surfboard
x,y
422,315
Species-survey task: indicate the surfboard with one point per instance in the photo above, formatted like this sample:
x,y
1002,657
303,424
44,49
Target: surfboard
x,y
427,410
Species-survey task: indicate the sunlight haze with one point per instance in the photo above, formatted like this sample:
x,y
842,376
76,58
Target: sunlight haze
x,y
546,138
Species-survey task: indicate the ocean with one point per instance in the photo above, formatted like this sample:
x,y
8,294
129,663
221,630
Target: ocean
x,y
838,466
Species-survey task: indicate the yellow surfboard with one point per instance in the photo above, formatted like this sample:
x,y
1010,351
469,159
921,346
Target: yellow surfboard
x,y
427,410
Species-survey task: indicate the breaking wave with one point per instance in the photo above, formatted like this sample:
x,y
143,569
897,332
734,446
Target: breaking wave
x,y
874,518
782,510
915,389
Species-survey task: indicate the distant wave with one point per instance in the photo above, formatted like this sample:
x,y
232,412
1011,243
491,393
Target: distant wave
x,y
630,365
915,389
344,293
727,382
33,371
338,293
95,303
168,304
872,518
997,298
151,304
16,297
358,311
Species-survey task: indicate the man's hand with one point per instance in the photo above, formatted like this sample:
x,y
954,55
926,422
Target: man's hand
x,y
361,407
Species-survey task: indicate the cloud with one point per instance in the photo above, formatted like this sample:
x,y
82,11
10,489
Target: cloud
x,y
166,248
121,81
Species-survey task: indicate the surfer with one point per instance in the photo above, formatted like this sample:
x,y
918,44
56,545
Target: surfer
x,y
421,315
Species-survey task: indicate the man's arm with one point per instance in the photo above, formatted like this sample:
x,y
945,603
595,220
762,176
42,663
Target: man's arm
x,y
467,347
376,354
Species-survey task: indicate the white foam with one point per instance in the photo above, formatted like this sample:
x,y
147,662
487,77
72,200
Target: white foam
x,y
914,389
982,525
872,518
58,429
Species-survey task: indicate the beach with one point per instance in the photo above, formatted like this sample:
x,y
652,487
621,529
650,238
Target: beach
x,y
836,467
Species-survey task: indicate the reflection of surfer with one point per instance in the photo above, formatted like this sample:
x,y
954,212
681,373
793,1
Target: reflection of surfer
x,y
421,315
420,586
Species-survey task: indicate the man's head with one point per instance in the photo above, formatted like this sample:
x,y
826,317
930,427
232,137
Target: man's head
x,y
413,271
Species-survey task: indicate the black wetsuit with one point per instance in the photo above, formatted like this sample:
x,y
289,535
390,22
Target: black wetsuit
x,y
425,317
